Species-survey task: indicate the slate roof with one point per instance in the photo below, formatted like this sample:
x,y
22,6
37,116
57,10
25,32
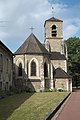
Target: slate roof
x,y
31,46
57,56
5,48
60,73
53,19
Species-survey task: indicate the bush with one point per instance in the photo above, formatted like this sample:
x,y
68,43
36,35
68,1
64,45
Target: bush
x,y
60,90
47,90
17,90
2,94
54,90
9,93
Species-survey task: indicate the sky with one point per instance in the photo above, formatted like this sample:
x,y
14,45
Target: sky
x,y
18,16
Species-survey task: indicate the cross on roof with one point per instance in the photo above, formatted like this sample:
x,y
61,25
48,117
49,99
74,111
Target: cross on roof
x,y
32,28
52,11
52,7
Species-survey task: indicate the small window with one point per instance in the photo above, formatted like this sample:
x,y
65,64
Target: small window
x,y
54,31
33,68
20,70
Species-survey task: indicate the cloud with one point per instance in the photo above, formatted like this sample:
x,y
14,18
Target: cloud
x,y
70,30
21,15
3,35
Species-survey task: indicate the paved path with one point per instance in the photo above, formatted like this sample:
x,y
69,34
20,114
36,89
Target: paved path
x,y
71,110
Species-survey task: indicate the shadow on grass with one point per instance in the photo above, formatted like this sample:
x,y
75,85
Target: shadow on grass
x,y
9,104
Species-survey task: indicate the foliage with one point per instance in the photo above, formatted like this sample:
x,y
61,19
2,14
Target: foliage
x,y
4,94
29,106
73,45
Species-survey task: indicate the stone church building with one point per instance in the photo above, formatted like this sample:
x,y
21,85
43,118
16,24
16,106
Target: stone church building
x,y
40,66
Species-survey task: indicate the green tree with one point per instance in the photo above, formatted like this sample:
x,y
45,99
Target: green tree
x,y
73,45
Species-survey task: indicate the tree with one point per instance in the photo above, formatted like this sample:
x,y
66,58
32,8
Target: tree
x,y
73,45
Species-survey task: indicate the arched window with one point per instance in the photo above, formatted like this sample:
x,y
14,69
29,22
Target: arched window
x,y
33,68
45,70
54,31
20,70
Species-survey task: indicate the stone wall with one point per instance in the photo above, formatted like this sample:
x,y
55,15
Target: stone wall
x,y
33,86
61,84
6,73
48,26
26,65
60,63
26,61
55,42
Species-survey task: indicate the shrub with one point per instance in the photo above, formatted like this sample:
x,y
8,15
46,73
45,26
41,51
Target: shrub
x,y
2,94
60,90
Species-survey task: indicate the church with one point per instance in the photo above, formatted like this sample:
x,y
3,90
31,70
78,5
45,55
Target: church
x,y
38,66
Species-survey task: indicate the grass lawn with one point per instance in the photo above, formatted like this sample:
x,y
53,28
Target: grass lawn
x,y
29,106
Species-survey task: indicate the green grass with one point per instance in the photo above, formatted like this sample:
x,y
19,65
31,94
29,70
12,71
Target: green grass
x,y
29,106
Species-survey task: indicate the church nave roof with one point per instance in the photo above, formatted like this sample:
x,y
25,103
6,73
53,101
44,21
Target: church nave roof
x,y
31,46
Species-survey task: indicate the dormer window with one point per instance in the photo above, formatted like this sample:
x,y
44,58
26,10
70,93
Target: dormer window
x,y
54,31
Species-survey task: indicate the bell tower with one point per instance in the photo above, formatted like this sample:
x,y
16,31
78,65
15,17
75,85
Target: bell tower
x,y
53,34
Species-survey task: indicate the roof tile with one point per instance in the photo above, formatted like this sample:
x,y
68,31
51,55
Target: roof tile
x,y
31,46
57,56
60,73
